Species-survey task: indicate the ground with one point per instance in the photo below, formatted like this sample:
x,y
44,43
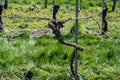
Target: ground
x,y
33,47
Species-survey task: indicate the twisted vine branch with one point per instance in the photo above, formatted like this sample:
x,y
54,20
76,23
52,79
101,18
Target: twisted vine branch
x,y
55,26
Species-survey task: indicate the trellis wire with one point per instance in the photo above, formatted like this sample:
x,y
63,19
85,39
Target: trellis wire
x,y
46,19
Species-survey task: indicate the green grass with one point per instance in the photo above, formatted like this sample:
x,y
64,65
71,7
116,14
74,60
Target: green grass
x,y
46,57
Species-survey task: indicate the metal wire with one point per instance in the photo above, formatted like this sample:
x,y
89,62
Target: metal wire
x,y
30,17
76,41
